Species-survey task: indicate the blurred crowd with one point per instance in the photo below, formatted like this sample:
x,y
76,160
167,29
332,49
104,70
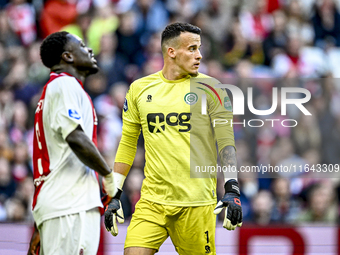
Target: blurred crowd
x,y
256,43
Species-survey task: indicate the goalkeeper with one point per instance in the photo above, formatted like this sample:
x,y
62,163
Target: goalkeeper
x,y
177,137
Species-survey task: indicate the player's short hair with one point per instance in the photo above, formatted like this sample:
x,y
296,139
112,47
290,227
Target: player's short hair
x,y
175,29
52,47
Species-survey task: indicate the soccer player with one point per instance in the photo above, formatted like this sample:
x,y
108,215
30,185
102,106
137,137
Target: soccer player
x,y
67,195
177,136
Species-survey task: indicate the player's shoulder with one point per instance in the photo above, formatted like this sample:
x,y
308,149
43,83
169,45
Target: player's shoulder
x,y
63,82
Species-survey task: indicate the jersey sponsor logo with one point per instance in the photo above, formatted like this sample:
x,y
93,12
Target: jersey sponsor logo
x,y
125,107
157,122
190,98
73,114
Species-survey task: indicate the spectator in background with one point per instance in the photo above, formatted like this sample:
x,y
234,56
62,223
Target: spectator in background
x,y
321,206
15,210
326,23
7,183
96,85
299,61
81,26
92,27
6,150
249,187
288,156
129,44
6,108
297,22
25,193
21,19
5,65
20,165
36,73
237,47
151,17
262,206
286,208
277,39
17,81
210,49
109,111
18,129
112,63
153,55
257,23
185,10
307,134
56,14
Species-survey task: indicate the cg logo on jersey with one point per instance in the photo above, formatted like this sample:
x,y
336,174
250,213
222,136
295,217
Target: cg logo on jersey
x,y
157,121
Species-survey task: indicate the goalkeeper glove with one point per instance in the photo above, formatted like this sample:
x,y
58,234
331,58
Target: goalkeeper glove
x,y
114,212
231,201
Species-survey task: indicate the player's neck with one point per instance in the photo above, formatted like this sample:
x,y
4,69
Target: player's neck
x,y
70,70
172,74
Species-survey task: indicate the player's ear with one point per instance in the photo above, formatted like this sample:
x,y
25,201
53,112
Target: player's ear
x,y
171,52
67,57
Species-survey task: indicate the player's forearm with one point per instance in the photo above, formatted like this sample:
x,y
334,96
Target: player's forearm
x,y
228,159
128,144
121,168
87,152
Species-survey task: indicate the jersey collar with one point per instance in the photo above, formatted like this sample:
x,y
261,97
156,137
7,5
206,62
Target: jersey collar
x,y
172,81
55,75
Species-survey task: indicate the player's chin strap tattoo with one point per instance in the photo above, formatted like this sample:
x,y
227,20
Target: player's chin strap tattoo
x,y
114,212
231,199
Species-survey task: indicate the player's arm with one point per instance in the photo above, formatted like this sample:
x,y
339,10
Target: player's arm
x,y
34,246
228,159
231,199
88,153
225,140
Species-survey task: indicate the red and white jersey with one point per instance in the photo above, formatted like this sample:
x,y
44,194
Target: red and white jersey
x,y
63,184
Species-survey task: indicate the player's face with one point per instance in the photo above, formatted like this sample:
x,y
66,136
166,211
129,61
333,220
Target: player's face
x,y
188,55
83,58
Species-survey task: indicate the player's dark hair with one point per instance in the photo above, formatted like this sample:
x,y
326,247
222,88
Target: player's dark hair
x,y
175,29
52,47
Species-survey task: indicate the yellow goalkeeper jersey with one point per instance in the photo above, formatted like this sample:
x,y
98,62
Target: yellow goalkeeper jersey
x,y
180,140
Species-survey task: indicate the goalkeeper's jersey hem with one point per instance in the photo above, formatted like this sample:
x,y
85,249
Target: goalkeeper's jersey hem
x,y
180,203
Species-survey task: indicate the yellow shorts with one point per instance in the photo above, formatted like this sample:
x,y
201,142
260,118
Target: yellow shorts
x,y
191,229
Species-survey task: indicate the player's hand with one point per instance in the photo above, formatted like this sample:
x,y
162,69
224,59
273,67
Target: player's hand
x,y
109,184
114,212
34,243
231,201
